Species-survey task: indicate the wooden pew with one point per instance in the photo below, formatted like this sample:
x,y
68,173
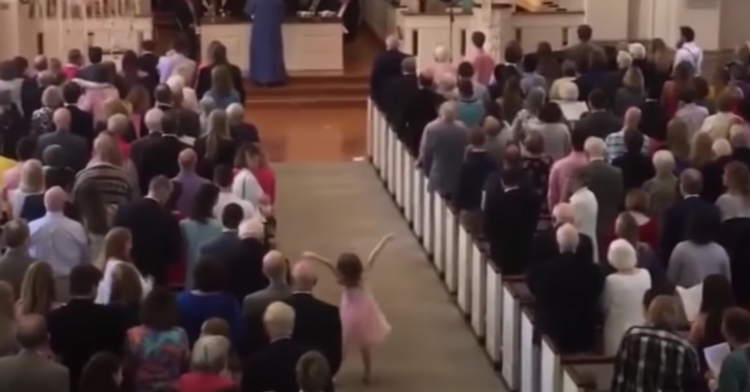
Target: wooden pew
x,y
515,294
530,352
590,371
587,377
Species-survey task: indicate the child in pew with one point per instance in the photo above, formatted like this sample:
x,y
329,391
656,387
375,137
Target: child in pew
x,y
219,327
363,324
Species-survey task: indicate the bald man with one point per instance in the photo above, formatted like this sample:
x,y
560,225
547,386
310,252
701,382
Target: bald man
x,y
75,146
317,323
544,246
33,369
607,184
188,179
60,241
275,268
616,141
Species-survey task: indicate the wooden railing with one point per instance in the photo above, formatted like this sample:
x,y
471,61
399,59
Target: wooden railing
x,y
499,309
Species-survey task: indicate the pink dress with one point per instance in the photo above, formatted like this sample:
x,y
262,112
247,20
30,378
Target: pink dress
x,y
363,324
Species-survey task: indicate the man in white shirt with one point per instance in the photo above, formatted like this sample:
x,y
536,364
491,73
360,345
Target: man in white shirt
x,y
688,51
585,206
223,178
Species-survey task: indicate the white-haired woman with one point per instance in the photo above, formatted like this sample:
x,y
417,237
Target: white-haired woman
x,y
209,364
41,119
443,67
177,84
623,294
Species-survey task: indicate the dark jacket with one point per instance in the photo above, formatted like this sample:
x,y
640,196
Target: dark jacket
x,y
386,67
76,151
159,158
675,221
318,324
419,110
600,123
474,171
273,368
636,169
244,133
510,219
713,179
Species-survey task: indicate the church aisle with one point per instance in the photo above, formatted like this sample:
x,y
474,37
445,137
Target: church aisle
x,y
330,208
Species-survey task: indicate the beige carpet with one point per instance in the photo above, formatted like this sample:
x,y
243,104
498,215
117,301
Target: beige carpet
x,y
330,208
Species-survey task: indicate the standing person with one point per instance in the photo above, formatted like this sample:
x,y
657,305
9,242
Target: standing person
x,y
483,63
157,242
688,51
217,55
266,42
16,260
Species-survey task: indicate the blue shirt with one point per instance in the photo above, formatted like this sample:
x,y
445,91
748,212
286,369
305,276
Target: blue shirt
x,y
195,309
60,241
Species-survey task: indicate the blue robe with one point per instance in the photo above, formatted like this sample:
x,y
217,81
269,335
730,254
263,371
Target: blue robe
x,y
266,42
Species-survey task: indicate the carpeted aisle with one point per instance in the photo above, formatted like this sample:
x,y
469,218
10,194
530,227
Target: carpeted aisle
x,y
330,208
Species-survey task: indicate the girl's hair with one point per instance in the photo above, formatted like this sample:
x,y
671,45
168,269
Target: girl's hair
x,y
38,289
678,139
511,101
218,129
116,106
139,99
350,269
221,81
717,294
217,53
126,285
99,373
244,152
637,200
204,201
701,150
633,78
129,63
32,176
627,228
313,372
116,243
738,178
662,56
7,315
662,312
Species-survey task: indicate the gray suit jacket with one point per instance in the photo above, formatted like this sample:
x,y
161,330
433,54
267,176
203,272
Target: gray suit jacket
x,y
443,152
75,148
29,372
257,302
605,182
13,266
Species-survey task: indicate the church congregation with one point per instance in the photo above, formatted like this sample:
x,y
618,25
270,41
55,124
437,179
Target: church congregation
x,y
619,232
606,187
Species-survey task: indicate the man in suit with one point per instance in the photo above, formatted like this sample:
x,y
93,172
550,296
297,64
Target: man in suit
x,y
153,122
148,60
273,368
89,72
16,260
676,217
76,149
599,121
419,110
159,157
188,121
33,369
157,239
241,131
317,323
227,244
275,269
606,183
582,52
510,218
567,291
163,98
81,122
255,304
400,90
82,328
544,246
386,67
443,149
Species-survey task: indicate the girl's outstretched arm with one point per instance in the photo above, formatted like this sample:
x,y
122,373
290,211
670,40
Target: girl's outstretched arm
x,y
321,260
376,250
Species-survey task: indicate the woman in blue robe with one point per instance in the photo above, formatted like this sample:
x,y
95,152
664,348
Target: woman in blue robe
x,y
266,42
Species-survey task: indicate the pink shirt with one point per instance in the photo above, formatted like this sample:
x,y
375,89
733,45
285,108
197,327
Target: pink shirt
x,y
558,176
441,71
202,382
484,65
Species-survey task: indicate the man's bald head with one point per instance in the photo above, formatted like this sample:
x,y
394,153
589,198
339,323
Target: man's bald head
x,y
61,119
41,63
187,159
54,199
564,213
392,42
31,332
304,277
274,266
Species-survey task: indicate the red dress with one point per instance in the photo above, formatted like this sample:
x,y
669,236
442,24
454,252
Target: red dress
x,y
267,181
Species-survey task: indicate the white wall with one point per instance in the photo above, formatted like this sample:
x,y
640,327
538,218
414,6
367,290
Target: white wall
x,y
734,27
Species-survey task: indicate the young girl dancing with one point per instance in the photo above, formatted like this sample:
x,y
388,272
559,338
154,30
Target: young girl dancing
x,y
363,324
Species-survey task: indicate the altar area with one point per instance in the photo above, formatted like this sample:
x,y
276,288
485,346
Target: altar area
x,y
312,44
